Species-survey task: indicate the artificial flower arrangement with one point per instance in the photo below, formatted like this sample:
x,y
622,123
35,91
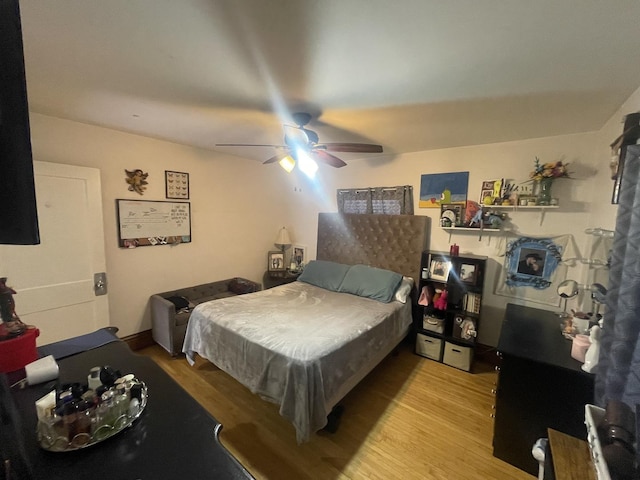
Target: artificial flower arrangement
x,y
549,170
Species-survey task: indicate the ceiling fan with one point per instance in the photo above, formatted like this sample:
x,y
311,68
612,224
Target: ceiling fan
x,y
300,140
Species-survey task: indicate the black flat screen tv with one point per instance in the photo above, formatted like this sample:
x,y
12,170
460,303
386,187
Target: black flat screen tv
x,y
18,211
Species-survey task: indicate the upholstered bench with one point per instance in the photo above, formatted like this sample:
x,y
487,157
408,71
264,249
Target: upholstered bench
x,y
170,311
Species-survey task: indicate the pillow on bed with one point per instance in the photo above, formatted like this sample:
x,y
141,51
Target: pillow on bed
x,y
324,274
404,290
371,282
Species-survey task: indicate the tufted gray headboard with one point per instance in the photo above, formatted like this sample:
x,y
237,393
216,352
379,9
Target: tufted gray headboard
x,y
392,242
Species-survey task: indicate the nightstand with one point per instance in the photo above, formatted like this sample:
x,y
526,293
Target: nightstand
x,y
273,279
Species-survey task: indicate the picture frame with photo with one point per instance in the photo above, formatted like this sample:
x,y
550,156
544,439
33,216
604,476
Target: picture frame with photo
x,y
275,261
298,258
468,273
439,269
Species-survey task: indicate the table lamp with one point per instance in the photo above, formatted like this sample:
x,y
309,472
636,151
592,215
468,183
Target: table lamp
x,y
283,240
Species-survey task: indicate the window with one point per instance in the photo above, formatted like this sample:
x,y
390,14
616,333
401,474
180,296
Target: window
x,y
378,200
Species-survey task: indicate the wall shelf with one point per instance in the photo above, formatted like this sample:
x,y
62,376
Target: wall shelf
x,y
515,208
541,208
524,207
479,230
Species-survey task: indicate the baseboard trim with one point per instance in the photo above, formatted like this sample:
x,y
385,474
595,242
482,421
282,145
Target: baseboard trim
x,y
139,340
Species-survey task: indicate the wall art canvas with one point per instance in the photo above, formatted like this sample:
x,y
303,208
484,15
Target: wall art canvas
x,y
439,188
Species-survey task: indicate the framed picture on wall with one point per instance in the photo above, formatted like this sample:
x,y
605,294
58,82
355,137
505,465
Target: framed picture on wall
x,y
275,261
176,184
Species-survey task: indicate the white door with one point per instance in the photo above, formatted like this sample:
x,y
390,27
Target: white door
x,y
55,280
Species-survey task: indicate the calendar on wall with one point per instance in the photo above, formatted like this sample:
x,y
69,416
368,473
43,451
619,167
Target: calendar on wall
x,y
153,222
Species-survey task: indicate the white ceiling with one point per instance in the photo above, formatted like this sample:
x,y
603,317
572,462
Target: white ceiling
x,y
410,75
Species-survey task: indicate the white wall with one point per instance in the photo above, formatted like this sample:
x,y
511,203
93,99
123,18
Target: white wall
x,y
236,209
584,199
238,205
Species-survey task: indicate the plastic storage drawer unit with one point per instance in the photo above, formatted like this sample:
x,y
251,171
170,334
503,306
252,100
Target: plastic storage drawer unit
x,y
429,347
457,356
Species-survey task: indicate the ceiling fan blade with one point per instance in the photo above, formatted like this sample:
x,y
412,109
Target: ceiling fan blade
x,y
329,159
273,159
349,147
248,145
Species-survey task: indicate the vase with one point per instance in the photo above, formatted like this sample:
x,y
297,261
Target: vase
x,y
544,191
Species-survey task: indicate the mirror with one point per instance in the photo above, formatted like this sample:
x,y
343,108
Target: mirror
x,y
566,290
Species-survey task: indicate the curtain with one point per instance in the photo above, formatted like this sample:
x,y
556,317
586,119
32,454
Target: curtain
x,y
618,369
378,200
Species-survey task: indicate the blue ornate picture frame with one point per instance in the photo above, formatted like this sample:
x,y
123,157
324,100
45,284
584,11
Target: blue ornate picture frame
x,y
531,262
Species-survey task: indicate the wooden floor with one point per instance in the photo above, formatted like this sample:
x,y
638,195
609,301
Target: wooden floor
x,y
411,418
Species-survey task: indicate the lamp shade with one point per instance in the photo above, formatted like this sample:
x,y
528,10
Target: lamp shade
x,y
283,240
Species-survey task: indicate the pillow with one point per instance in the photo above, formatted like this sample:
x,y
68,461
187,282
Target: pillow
x,y
371,282
179,302
324,274
404,290
240,286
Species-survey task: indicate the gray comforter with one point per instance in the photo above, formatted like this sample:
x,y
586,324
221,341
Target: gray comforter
x,y
300,346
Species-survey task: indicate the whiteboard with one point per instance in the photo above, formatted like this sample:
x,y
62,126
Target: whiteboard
x,y
153,222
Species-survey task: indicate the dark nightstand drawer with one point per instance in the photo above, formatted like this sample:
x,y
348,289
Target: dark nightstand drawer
x,y
274,279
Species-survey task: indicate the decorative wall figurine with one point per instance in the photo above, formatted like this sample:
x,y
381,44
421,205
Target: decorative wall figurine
x,y
137,180
11,325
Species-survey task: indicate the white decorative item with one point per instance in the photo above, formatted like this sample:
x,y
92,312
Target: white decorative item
x,y
591,357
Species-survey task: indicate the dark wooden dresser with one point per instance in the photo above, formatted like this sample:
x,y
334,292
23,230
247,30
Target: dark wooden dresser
x,y
539,386
174,438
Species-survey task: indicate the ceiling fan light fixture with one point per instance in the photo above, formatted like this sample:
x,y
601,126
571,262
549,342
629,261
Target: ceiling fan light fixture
x,y
288,163
306,164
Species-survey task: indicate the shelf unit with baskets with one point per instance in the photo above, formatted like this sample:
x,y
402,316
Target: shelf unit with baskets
x,y
449,307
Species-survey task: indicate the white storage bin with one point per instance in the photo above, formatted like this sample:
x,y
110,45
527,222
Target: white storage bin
x,y
433,324
457,356
429,347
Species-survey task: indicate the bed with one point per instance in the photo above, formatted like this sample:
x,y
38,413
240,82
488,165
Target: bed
x,y
306,344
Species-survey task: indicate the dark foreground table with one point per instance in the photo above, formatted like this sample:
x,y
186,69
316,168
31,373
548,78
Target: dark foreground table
x,y
174,438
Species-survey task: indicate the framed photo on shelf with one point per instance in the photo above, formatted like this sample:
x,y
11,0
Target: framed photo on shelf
x,y
453,213
275,261
491,189
176,184
439,269
298,258
469,273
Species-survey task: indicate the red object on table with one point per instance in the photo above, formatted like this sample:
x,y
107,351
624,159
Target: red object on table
x,y
17,352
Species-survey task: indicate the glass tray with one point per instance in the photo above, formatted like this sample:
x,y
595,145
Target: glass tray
x,y
53,437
